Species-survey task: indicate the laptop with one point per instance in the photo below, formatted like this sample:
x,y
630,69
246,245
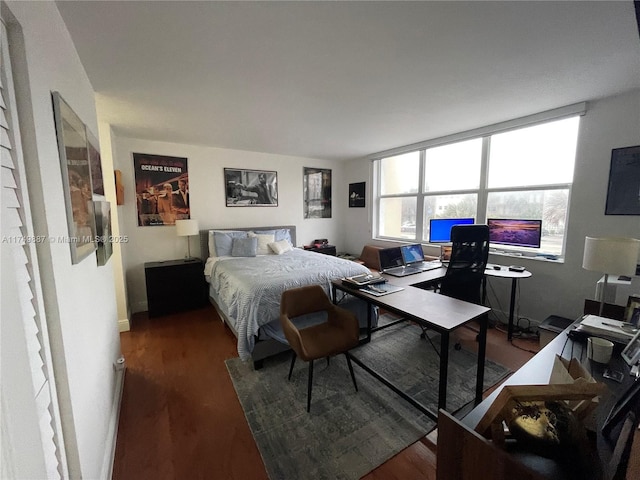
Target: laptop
x,y
392,263
413,256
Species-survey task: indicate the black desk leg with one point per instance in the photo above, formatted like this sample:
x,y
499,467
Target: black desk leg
x,y
512,305
444,370
482,352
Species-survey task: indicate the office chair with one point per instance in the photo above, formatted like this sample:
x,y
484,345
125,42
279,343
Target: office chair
x,y
465,273
469,255
338,334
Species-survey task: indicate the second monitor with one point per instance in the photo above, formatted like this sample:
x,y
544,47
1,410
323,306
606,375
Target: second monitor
x,y
440,228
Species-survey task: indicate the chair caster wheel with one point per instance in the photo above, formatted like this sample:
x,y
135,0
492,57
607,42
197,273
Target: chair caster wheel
x,y
457,346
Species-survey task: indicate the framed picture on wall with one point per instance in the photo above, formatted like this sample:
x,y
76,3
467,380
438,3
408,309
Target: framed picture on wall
x,y
162,189
104,237
316,188
250,188
95,163
76,179
357,194
623,195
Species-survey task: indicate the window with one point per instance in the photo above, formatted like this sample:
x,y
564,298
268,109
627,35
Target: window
x,y
515,173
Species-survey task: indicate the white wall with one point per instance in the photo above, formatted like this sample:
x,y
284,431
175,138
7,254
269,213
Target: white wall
x,y
207,196
79,300
555,288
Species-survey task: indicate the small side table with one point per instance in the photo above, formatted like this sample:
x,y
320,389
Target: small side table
x,y
175,286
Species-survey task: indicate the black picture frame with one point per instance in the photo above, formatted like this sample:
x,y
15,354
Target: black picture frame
x,y
316,192
623,194
357,192
250,188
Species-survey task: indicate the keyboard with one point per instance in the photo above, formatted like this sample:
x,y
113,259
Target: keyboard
x,y
424,266
402,271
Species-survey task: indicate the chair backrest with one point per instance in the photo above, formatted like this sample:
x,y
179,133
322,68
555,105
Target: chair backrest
x,y
304,300
469,255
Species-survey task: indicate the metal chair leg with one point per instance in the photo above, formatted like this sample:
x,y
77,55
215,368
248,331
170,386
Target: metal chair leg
x,y
310,382
293,362
353,377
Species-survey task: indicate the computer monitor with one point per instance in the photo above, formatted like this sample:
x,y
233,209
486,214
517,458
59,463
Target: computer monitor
x,y
516,233
440,228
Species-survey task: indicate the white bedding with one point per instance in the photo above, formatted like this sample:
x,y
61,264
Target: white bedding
x,y
248,289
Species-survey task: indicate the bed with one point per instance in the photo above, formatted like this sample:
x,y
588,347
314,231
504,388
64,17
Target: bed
x,y
246,290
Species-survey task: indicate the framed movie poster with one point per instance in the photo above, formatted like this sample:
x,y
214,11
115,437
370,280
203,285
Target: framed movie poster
x,y
623,195
316,191
356,194
251,188
76,179
162,189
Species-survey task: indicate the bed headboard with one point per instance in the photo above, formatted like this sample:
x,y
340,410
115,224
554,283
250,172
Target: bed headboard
x,y
204,236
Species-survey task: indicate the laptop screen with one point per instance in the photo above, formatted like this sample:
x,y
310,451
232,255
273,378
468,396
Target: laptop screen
x,y
412,253
390,257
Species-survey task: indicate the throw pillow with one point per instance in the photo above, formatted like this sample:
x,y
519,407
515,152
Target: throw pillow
x,y
244,247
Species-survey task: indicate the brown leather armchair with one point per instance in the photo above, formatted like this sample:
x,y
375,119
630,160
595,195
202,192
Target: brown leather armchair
x,y
338,334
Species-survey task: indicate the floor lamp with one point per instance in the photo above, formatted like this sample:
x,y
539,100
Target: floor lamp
x,y
611,256
187,228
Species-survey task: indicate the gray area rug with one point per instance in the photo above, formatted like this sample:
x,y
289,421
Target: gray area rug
x,y
347,433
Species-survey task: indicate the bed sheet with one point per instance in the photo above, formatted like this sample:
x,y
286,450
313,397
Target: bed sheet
x,y
248,289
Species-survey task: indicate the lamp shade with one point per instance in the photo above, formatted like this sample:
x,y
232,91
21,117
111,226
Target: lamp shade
x,y
185,228
611,255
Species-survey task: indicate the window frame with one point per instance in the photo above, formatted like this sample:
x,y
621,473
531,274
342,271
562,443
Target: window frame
x,y
483,191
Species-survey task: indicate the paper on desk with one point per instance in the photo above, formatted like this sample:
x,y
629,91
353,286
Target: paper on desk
x,y
607,327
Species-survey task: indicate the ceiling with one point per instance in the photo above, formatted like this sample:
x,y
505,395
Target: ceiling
x,y
342,80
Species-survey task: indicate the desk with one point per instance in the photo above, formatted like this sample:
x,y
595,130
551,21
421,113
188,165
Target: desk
x,y
437,312
537,371
431,277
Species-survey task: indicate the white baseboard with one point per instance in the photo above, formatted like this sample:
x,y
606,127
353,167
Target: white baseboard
x,y
124,325
112,434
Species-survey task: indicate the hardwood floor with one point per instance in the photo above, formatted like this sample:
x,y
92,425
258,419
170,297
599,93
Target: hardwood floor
x,y
180,417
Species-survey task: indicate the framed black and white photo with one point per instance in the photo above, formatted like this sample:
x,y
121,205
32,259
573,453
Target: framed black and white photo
x,y
251,188
623,195
316,191
104,237
357,194
76,179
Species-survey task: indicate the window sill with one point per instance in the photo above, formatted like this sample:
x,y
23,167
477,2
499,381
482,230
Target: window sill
x,y
529,256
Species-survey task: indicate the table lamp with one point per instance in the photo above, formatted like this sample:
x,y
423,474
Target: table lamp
x,y
187,228
610,255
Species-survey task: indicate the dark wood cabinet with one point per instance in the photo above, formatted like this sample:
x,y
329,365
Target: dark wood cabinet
x,y
175,286
326,249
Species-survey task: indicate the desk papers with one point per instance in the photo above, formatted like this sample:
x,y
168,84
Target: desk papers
x,y
614,330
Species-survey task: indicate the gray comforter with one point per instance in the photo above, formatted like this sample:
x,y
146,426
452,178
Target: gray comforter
x,y
248,290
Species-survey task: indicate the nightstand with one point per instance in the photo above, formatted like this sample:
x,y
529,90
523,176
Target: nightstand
x,y
175,286
325,249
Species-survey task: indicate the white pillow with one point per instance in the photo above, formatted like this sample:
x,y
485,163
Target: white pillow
x,y
263,242
280,247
